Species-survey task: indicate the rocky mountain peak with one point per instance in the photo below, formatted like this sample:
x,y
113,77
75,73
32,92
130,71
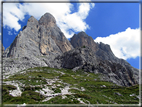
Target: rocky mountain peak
x,y
82,39
82,33
47,20
32,19
38,38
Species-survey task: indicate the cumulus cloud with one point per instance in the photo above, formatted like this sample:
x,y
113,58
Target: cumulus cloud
x,y
11,15
125,44
67,20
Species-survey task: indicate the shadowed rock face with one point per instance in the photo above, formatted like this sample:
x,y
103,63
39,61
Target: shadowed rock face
x,y
84,58
82,39
77,57
116,70
101,50
38,38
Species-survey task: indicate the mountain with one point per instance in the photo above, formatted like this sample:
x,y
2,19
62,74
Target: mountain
x,y
82,39
116,70
42,43
36,45
39,38
42,67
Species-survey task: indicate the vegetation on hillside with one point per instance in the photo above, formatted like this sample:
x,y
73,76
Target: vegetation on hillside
x,y
44,85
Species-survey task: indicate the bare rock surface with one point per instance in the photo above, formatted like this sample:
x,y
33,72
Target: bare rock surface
x,y
36,45
13,65
84,58
39,38
82,39
118,70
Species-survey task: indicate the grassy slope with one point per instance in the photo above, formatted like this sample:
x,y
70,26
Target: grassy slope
x,y
35,79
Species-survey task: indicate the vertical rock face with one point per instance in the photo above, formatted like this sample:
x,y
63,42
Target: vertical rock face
x,y
101,50
48,23
84,58
41,37
116,70
27,41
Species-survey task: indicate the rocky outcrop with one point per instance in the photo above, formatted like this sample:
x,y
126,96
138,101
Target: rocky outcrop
x,y
82,39
84,58
77,58
101,50
105,53
13,65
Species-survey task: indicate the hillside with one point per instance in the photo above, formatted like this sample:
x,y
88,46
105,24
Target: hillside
x,y
44,85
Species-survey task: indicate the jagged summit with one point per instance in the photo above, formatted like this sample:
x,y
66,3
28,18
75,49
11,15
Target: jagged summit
x,y
38,38
47,20
101,50
82,33
82,39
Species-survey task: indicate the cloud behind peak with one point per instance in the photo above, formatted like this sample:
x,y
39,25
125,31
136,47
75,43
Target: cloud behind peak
x,y
125,44
63,12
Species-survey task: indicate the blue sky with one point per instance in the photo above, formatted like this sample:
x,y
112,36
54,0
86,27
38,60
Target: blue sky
x,y
116,24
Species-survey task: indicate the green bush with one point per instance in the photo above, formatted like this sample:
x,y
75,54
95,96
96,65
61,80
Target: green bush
x,y
84,46
82,96
56,90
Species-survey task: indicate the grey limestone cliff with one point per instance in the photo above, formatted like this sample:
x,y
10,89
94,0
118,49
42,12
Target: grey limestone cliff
x,y
82,39
36,45
84,58
117,70
39,38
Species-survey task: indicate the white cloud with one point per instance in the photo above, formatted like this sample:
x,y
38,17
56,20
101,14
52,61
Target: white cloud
x,y
11,15
66,19
124,44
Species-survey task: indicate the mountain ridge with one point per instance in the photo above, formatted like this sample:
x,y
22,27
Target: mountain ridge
x,y
42,43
